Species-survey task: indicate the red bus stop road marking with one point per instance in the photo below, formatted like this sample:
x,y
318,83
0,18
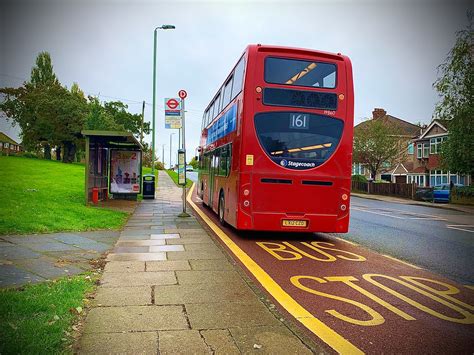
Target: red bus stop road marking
x,y
351,298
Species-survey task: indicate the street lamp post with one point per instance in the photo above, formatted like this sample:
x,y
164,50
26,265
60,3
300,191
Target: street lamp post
x,y
162,27
171,143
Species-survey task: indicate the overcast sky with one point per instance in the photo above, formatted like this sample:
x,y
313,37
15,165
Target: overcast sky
x,y
107,48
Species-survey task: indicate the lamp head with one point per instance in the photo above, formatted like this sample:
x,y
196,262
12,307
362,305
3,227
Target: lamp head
x,y
168,27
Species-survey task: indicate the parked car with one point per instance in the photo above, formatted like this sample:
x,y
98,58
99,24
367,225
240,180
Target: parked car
x,y
424,194
189,168
441,193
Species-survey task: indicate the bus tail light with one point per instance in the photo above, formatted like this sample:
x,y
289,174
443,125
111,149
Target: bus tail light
x,y
343,207
246,203
246,192
344,197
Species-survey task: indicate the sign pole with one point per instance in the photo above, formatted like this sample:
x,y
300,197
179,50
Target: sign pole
x,y
184,213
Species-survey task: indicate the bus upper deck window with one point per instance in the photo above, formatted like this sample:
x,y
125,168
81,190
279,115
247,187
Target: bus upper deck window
x,y
300,73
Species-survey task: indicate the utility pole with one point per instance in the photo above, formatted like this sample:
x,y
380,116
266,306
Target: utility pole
x,y
143,121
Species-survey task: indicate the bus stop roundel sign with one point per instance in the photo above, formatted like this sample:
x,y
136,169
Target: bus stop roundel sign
x,y
182,94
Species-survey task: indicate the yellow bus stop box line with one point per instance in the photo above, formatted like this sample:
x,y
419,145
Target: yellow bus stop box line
x,y
321,330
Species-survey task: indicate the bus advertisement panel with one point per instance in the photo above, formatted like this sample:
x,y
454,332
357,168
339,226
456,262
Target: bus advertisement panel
x,y
276,143
125,170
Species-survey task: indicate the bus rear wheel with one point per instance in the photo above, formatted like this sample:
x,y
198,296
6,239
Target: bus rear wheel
x,y
221,209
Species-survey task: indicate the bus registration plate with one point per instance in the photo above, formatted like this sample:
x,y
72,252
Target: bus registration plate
x,y
294,223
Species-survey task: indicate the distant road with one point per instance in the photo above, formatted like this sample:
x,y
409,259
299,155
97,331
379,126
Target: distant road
x,y
192,175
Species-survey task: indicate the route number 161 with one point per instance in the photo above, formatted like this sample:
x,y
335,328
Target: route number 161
x,y
299,121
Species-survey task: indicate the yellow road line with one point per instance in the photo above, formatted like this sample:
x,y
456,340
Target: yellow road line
x,y
401,261
469,286
321,330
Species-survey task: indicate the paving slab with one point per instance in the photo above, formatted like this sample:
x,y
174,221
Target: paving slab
x,y
217,264
119,343
273,340
140,243
203,293
125,266
168,265
166,248
112,279
11,275
220,341
182,342
45,268
186,241
165,236
229,314
208,277
135,319
123,296
193,255
136,256
17,252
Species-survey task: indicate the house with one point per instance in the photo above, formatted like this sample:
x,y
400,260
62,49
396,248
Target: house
x,y
406,131
425,169
9,146
422,165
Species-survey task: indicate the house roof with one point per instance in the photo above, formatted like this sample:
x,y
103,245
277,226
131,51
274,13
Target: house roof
x,y
406,128
6,139
435,122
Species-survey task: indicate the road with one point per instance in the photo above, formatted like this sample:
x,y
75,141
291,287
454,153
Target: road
x,y
351,293
437,239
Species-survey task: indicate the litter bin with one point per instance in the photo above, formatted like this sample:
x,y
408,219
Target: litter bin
x,y
149,186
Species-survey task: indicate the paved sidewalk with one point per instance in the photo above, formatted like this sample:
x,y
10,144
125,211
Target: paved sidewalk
x,y
446,206
40,257
169,289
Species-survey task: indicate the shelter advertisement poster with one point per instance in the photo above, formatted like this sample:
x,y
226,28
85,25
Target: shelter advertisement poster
x,y
125,170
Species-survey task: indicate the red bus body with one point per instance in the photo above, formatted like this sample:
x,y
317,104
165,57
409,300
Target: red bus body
x,y
257,188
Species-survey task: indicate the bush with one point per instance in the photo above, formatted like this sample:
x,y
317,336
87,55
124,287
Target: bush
x,y
463,195
28,155
159,165
359,178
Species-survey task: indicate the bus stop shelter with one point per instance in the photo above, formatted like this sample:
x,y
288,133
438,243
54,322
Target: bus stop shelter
x,y
113,165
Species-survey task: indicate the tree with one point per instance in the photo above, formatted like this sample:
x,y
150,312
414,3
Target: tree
x,y
456,89
194,163
26,105
376,142
130,122
42,74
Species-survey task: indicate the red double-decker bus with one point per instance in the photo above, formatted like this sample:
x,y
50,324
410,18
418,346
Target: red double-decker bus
x,y
276,143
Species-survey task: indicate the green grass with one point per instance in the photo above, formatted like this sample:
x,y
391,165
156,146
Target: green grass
x,y
41,196
37,319
174,176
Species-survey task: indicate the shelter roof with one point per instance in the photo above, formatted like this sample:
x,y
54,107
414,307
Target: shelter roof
x,y
113,139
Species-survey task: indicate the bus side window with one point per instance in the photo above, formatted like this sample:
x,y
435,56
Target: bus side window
x,y
238,78
227,92
229,159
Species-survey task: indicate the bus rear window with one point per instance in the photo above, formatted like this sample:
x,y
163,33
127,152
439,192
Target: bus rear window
x,y
300,73
298,140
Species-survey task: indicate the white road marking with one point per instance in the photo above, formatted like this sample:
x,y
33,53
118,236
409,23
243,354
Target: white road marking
x,y
380,214
458,227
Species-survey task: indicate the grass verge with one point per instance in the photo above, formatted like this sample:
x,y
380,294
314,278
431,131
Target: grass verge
x,y
174,176
38,319
42,196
